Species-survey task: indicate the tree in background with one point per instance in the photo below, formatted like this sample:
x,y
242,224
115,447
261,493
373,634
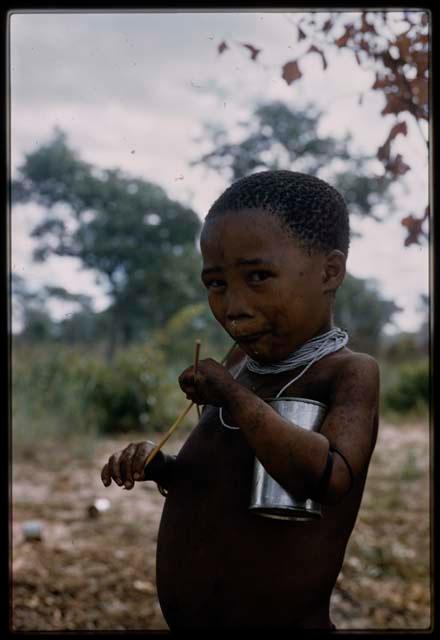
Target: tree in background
x,y
394,45
277,136
139,242
363,312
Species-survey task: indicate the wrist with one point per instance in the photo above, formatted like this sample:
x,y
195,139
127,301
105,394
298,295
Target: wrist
x,y
164,474
235,395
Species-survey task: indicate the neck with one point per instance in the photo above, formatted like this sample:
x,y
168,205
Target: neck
x,y
314,349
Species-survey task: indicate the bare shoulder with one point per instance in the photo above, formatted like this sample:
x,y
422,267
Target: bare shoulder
x,y
357,371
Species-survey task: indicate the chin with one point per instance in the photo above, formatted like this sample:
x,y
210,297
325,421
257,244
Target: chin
x,y
260,356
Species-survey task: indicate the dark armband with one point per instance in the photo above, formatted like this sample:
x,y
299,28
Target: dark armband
x,y
350,470
325,478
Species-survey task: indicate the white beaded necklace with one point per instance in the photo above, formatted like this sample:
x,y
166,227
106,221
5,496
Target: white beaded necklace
x,y
307,354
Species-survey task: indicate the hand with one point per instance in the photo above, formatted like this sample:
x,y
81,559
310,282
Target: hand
x,y
209,385
127,466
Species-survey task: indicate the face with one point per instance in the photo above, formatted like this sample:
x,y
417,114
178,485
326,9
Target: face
x,y
265,291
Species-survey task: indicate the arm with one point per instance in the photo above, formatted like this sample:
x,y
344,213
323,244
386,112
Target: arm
x,y
351,424
295,457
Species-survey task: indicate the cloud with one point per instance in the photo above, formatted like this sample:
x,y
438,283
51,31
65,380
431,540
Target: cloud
x,y
132,89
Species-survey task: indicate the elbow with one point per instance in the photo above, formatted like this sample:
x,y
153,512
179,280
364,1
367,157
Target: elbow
x,y
339,485
334,495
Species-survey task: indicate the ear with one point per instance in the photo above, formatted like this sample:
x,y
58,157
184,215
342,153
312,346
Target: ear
x,y
333,271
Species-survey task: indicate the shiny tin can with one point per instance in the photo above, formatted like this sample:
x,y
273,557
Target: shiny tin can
x,y
268,498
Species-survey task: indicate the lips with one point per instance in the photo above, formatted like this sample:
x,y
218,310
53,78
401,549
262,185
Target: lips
x,y
249,337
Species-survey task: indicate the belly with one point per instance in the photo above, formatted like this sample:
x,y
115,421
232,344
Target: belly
x,y
220,565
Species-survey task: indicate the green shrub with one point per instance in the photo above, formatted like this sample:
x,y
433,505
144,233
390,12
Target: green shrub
x,y
410,392
133,393
177,338
59,390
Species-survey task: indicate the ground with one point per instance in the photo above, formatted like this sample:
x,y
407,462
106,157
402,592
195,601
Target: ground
x,y
95,572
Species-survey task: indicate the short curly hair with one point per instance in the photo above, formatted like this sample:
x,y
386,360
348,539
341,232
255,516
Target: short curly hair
x,y
310,208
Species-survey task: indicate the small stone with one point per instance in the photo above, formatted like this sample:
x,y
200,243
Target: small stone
x,y
32,530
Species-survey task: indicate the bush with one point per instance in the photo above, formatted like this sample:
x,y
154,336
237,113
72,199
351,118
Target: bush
x,y
57,391
411,390
131,394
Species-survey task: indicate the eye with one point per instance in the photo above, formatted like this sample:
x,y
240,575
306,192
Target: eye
x,y
259,276
214,283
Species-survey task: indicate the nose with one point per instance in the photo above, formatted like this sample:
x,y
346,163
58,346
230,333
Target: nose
x,y
237,308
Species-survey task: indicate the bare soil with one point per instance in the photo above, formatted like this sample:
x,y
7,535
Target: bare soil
x,y
96,571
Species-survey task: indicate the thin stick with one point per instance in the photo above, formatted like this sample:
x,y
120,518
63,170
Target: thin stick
x,y
180,418
196,364
196,357
168,434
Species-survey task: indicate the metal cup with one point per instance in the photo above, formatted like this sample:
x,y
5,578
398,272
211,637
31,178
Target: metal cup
x,y
268,498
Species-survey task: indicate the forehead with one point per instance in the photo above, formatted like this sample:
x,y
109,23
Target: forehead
x,y
246,233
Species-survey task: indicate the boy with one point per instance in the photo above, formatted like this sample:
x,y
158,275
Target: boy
x,y
274,248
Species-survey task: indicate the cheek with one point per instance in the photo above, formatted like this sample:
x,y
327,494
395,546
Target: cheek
x,y
289,307
216,306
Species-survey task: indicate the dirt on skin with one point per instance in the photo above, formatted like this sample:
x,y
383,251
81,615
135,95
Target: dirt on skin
x,y
96,571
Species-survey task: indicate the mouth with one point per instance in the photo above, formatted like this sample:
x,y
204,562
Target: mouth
x,y
250,337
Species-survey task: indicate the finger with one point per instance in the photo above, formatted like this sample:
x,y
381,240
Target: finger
x,y
126,466
115,468
187,377
105,475
142,451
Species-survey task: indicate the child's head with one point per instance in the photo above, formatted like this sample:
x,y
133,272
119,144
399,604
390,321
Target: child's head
x,y
274,246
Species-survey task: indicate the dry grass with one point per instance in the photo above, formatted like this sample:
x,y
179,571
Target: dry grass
x,y
98,573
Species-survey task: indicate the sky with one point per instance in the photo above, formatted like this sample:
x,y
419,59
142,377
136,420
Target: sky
x,y
133,90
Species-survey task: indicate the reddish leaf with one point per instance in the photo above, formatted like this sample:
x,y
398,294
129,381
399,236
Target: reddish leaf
x,y
414,227
388,61
321,53
420,59
381,82
383,153
396,166
253,50
342,41
327,25
222,46
399,127
291,72
419,89
404,43
366,26
365,45
394,104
